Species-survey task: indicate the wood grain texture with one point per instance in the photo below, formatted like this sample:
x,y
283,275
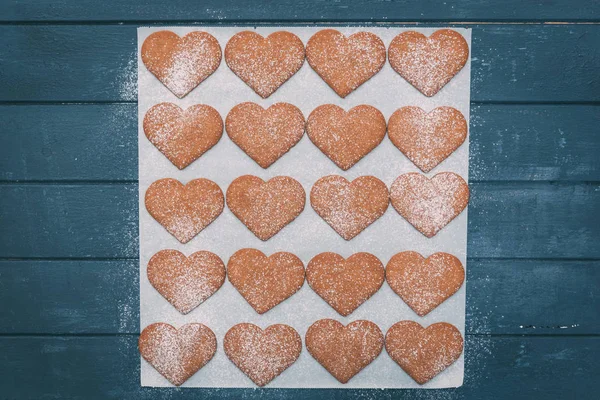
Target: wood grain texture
x,y
107,367
99,142
77,51
102,297
302,10
524,63
516,220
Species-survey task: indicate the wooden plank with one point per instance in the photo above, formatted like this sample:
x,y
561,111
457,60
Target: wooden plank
x,y
516,220
69,297
69,221
534,142
303,10
107,367
91,297
71,142
525,62
99,142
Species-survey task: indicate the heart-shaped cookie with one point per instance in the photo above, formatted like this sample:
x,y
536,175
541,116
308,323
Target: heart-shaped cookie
x,y
429,204
345,63
183,63
265,281
346,137
344,350
428,63
186,282
349,207
184,211
265,135
177,353
427,139
345,283
265,207
424,283
264,64
423,352
183,136
262,354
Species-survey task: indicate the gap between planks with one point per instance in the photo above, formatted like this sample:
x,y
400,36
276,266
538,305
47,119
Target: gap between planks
x,y
301,22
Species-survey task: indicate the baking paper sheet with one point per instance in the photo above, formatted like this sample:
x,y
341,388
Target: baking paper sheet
x,y
308,235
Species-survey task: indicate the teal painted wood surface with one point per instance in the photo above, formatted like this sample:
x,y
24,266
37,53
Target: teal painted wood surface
x,y
68,193
497,367
298,10
556,297
98,142
510,62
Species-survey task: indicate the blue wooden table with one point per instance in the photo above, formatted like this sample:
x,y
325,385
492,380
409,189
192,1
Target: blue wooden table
x,y
68,192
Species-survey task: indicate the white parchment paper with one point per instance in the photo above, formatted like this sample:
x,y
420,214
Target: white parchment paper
x,y
308,235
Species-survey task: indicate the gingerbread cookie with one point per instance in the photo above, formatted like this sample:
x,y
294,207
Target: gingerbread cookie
x,y
265,281
183,136
344,350
183,63
345,283
429,204
264,64
428,63
423,352
345,63
265,207
262,354
184,211
424,283
186,282
346,137
349,207
177,353
427,139
265,135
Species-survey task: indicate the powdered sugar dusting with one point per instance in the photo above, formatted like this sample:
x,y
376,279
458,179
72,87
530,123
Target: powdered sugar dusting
x,y
264,63
428,63
265,135
186,282
427,139
181,64
345,63
308,235
262,355
349,207
177,354
184,211
429,205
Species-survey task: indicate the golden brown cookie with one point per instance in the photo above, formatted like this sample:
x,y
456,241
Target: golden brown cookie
x,y
429,204
345,63
183,135
262,354
346,137
344,350
265,207
427,139
183,63
265,281
264,64
184,211
265,135
349,207
423,352
345,283
177,353
186,282
428,63
424,283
